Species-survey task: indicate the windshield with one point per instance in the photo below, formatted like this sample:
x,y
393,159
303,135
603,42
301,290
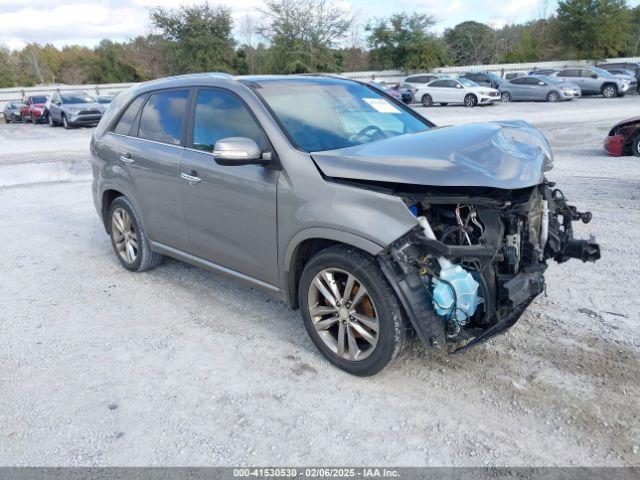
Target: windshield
x,y
38,99
76,98
337,115
468,83
548,79
601,72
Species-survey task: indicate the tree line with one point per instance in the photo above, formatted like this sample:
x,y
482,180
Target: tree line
x,y
301,36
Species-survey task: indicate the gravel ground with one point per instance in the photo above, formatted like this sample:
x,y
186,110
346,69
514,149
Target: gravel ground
x,y
182,367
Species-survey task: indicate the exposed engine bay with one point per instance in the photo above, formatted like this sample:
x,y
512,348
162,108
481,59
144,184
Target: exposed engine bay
x,y
477,258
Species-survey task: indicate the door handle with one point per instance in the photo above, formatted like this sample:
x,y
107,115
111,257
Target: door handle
x,y
190,178
126,158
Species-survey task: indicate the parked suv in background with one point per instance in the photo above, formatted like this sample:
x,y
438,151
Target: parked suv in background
x,y
329,194
632,67
594,81
74,109
33,108
421,79
486,79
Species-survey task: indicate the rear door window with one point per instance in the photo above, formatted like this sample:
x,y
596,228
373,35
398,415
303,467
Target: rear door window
x,y
162,116
126,120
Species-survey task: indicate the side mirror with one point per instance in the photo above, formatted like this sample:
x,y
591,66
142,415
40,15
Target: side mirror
x,y
232,151
458,86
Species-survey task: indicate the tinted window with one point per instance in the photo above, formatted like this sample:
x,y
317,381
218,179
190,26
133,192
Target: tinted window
x,y
533,81
220,115
38,99
124,124
438,83
519,81
72,98
161,118
569,73
451,84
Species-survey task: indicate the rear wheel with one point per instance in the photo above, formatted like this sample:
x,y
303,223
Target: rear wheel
x,y
470,100
350,311
426,100
636,146
505,97
129,241
553,97
609,91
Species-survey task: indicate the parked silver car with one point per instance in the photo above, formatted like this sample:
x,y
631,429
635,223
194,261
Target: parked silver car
x,y
331,195
594,81
538,87
71,109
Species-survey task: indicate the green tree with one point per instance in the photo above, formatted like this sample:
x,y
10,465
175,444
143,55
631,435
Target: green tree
x,y
471,43
7,70
404,41
111,66
594,28
302,34
196,38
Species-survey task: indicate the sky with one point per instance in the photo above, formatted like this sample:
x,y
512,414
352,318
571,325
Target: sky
x,y
86,22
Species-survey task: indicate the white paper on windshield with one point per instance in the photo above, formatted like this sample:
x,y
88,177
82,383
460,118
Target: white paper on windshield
x,y
381,105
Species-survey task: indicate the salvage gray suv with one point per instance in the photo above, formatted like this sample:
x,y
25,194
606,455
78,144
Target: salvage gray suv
x,y
333,196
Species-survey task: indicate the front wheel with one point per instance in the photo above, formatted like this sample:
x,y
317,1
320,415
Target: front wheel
x,y
350,311
505,97
426,100
609,91
636,146
553,97
52,122
129,241
470,100
65,122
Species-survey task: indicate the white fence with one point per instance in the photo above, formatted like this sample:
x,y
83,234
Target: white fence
x,y
16,93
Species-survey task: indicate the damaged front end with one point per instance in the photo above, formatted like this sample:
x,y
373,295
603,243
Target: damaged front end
x,y
477,260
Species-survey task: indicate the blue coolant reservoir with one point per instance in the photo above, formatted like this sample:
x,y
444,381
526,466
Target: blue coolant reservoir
x,y
466,298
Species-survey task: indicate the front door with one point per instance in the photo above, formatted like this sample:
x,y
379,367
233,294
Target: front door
x,y
230,211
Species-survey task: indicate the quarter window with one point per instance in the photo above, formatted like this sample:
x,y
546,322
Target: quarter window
x,y
126,120
162,116
220,115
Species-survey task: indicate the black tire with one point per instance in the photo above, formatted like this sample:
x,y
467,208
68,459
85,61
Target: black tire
x,y
444,104
7,120
553,97
470,100
145,258
426,100
505,97
609,91
394,331
65,122
52,122
635,146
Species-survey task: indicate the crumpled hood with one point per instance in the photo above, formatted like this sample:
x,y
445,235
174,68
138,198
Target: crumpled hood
x,y
507,154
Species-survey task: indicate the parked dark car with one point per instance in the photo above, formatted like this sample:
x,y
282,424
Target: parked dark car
x,y
624,138
631,66
12,112
72,109
388,90
485,79
33,108
406,92
350,206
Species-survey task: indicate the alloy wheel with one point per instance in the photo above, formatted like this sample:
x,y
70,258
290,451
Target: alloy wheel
x,y
506,97
343,314
470,101
609,92
124,235
553,97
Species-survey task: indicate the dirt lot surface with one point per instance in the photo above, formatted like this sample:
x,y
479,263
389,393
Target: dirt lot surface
x,y
178,366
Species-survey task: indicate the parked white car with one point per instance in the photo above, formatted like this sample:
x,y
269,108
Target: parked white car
x,y
461,90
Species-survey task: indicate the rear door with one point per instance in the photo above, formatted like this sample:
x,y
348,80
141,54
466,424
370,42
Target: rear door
x,y
150,152
230,211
